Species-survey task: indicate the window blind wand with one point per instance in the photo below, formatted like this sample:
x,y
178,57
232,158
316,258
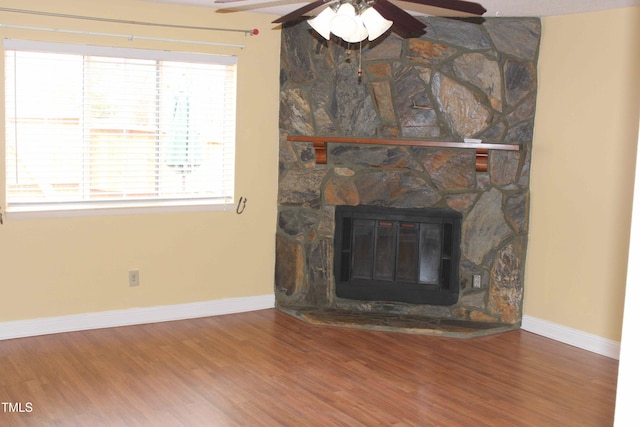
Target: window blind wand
x,y
242,204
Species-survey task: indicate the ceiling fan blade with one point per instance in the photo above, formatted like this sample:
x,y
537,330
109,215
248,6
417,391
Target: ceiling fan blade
x,y
406,24
252,5
459,5
300,11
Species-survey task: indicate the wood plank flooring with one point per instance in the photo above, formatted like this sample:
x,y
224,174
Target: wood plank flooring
x,y
266,368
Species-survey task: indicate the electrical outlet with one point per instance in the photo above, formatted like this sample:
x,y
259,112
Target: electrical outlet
x,y
477,281
134,278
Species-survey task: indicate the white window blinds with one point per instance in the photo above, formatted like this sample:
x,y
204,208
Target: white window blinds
x,y
90,126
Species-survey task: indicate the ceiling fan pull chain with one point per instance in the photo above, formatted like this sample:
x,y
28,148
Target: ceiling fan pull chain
x,y
360,63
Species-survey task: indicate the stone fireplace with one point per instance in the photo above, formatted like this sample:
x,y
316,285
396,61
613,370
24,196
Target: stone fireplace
x,y
460,80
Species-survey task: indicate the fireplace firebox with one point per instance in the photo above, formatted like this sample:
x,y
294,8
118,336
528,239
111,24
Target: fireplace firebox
x,y
397,254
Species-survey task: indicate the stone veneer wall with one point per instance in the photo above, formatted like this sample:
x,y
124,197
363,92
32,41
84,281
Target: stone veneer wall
x,y
459,80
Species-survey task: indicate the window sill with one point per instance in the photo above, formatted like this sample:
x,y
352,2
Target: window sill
x,y
64,210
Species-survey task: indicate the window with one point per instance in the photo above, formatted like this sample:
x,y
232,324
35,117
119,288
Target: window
x,y
92,127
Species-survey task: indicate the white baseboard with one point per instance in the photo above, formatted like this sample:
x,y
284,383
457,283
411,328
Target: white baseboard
x,y
574,337
133,316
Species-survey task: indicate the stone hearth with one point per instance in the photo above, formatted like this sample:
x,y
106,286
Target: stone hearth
x,y
460,80
412,324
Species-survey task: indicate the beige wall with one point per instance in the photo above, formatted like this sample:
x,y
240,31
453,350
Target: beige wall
x,y
582,170
60,266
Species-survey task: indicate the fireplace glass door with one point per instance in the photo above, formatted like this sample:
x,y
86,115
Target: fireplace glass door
x,y
393,254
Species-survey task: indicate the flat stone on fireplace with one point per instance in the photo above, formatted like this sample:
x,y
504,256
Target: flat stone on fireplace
x,y
394,322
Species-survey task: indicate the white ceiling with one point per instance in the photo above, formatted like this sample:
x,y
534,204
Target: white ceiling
x,y
494,7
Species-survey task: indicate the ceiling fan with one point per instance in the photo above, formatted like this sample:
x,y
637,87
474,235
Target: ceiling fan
x,y
356,20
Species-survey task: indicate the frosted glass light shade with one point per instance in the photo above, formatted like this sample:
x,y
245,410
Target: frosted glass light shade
x,y
344,23
322,22
359,34
375,23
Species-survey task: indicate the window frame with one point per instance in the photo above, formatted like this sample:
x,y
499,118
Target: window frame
x,y
121,206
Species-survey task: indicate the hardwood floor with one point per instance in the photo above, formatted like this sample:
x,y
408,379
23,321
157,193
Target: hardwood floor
x,y
265,368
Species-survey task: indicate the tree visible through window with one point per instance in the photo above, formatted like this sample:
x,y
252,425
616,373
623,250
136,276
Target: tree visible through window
x,y
117,126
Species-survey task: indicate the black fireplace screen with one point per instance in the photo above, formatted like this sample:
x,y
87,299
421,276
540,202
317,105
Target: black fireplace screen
x,y
394,254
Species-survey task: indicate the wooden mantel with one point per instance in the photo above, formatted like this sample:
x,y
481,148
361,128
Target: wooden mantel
x,y
482,149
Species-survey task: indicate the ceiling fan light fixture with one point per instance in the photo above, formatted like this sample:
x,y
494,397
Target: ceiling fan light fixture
x,y
322,22
351,20
375,23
